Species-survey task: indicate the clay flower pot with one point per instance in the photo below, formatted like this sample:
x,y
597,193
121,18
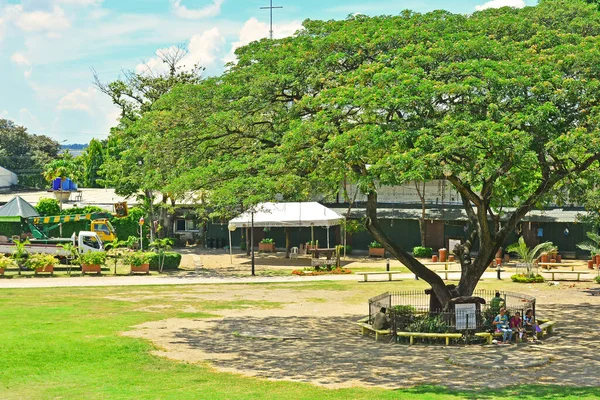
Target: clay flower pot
x,y
94,268
143,269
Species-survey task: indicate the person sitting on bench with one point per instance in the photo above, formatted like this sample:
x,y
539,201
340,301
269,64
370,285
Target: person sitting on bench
x,y
381,320
501,324
529,324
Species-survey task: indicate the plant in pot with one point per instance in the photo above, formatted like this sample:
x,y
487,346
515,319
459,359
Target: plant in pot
x,y
267,244
376,249
139,261
592,245
92,261
5,263
41,263
20,253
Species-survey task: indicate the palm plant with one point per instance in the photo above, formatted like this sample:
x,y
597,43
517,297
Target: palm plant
x,y
161,245
528,256
20,253
73,254
593,245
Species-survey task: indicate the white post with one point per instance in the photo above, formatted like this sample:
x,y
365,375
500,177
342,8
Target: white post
x,y
230,250
327,236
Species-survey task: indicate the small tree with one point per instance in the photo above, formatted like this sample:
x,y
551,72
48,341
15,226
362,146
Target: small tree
x,y
593,245
529,256
161,245
73,254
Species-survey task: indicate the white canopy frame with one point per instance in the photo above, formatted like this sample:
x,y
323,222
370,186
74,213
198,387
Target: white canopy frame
x,y
290,214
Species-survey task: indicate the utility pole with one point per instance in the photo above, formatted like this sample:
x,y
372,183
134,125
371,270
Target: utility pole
x,y
270,8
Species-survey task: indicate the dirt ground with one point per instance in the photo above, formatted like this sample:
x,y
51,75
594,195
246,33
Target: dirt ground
x,y
313,338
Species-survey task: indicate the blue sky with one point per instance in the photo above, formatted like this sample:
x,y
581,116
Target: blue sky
x,y
47,47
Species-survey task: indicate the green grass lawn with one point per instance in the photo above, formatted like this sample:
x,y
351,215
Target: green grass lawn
x,y
66,343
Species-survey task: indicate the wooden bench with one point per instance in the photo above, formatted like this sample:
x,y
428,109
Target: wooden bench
x,y
379,333
488,336
578,273
366,274
546,327
549,265
413,335
447,271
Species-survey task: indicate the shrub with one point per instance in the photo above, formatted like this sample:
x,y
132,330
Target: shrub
x,y
268,241
420,251
522,278
136,258
93,258
6,262
172,261
315,271
428,324
375,244
598,279
35,261
46,207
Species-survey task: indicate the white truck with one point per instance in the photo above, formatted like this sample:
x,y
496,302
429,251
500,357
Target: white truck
x,y
86,241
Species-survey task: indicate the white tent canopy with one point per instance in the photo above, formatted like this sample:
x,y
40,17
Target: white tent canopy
x,y
274,215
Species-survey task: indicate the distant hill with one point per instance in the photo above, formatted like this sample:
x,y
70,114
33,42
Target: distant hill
x,y
75,148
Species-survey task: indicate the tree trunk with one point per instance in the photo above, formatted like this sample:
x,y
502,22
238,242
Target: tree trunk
x,y
247,242
422,225
437,284
287,242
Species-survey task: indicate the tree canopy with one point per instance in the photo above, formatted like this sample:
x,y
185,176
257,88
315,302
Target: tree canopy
x,y
25,154
503,103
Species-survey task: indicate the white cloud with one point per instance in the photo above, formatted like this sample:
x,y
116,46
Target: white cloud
x,y
27,119
254,30
79,100
19,59
501,3
37,21
4,114
27,73
84,108
182,11
1,29
202,50
80,2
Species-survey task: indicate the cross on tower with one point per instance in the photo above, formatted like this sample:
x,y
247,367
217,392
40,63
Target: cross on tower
x,y
270,8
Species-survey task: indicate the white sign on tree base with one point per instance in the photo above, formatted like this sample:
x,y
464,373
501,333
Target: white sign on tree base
x,y
465,316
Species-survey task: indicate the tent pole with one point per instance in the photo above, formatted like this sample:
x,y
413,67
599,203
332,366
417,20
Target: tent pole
x,y
230,250
312,236
345,243
327,236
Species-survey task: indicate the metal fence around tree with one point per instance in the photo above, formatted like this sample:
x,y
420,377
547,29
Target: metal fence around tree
x,y
410,311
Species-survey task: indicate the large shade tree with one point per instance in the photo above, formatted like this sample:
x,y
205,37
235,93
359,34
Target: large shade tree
x,y
503,103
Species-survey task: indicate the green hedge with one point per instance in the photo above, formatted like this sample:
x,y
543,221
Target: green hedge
x,y
527,279
172,261
421,251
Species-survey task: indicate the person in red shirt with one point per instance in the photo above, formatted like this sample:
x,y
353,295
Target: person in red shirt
x,y
516,324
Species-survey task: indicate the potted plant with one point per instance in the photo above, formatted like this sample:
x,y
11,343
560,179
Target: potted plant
x,y
20,253
267,244
593,246
92,261
41,262
139,261
5,263
376,249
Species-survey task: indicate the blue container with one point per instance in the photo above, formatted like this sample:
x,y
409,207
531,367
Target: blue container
x,y
65,184
56,184
71,185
